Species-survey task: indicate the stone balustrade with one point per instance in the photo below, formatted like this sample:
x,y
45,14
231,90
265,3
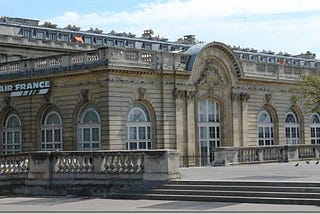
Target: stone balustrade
x,y
112,56
262,154
75,172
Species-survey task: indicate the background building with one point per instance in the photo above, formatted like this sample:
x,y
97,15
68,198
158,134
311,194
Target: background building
x,y
66,89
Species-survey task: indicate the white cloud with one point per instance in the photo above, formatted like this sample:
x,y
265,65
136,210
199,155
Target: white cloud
x,y
288,25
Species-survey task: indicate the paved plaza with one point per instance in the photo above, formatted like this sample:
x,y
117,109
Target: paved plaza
x,y
256,172
262,172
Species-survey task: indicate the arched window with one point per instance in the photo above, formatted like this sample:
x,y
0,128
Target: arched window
x,y
12,135
292,128
265,129
138,128
209,129
315,129
89,130
51,132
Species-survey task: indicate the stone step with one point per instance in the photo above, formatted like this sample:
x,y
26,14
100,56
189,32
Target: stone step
x,y
236,193
302,193
243,188
248,183
213,198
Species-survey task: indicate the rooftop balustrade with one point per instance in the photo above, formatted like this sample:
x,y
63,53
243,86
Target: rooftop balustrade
x,y
111,57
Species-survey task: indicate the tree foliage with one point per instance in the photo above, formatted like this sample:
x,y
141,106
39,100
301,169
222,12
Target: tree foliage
x,y
307,90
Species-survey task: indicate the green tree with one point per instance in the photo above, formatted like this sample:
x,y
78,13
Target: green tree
x,y
307,90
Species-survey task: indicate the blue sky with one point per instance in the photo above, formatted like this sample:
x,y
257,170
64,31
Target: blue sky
x,y
291,26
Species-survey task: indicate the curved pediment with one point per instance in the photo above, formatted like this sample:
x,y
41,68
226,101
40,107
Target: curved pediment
x,y
217,54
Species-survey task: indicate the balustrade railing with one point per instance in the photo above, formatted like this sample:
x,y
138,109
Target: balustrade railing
x,y
256,154
149,164
123,163
252,154
111,56
14,164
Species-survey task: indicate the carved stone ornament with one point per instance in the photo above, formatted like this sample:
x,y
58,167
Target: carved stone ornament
x,y
47,97
293,100
243,97
7,100
142,93
84,94
179,94
191,94
268,98
210,75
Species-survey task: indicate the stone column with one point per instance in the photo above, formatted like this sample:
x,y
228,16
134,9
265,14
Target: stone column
x,y
236,117
181,126
191,127
244,118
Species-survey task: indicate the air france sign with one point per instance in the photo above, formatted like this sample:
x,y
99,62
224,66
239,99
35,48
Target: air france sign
x,y
26,89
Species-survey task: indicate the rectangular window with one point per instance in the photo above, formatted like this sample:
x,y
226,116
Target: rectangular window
x,y
142,145
293,132
49,137
9,137
260,131
149,133
212,132
17,138
95,134
218,132
142,133
318,132
288,132
211,118
43,136
133,145
132,133
267,132
86,134
57,135
203,132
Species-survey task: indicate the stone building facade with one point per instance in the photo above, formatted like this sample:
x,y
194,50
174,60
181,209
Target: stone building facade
x,y
65,89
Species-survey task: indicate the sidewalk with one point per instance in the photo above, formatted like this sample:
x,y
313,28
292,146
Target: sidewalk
x,y
63,204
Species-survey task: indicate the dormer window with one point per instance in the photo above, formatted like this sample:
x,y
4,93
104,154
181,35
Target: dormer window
x,y
130,44
87,40
40,35
120,43
27,33
147,46
65,38
52,36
